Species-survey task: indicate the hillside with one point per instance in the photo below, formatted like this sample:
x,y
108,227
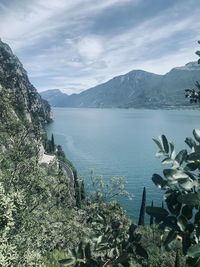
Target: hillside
x,y
34,195
136,89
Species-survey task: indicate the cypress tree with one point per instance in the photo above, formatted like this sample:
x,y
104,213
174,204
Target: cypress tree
x,y
142,208
82,191
52,143
177,260
151,217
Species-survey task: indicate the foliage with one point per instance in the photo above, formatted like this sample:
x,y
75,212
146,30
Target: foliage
x,y
35,206
112,240
107,191
182,196
142,208
194,93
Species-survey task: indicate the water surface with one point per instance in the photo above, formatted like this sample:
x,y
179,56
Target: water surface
x,y
118,142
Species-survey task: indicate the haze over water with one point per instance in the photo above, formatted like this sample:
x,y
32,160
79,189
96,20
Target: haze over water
x,y
118,142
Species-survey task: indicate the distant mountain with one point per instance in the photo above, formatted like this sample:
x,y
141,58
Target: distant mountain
x,y
55,97
137,89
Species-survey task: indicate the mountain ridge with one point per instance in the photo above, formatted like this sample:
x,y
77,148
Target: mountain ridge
x,y
135,89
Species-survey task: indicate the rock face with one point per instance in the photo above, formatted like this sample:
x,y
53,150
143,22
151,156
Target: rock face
x,y
137,89
23,97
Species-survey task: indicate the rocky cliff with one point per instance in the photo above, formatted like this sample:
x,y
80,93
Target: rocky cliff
x,y
21,94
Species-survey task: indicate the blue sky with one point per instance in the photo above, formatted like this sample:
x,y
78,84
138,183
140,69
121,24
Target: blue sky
x,y
76,44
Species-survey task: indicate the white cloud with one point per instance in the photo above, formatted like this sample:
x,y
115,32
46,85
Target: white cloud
x,y
90,47
56,43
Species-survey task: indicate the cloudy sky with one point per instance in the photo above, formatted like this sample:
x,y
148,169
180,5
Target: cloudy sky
x,y
76,44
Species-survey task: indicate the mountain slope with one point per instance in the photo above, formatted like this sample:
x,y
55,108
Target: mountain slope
x,y
22,97
136,89
35,197
55,97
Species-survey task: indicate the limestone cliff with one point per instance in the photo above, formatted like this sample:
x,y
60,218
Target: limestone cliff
x,y
23,97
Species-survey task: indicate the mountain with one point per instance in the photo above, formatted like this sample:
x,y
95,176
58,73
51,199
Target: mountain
x,y
55,97
137,89
37,190
22,97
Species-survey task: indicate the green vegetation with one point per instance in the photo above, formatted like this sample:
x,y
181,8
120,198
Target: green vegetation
x,y
194,94
181,186
48,219
142,208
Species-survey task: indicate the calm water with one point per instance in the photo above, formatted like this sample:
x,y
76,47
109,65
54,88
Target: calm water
x,y
118,142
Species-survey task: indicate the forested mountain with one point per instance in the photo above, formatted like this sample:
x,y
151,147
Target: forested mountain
x,y
137,89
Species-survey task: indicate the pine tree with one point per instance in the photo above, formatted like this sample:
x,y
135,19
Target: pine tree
x,y
142,208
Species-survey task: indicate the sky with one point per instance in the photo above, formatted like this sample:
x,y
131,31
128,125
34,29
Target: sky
x,y
73,45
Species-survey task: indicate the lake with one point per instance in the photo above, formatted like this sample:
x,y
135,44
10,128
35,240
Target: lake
x,y
118,142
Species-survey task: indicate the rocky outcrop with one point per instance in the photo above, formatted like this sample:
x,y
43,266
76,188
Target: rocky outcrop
x,y
23,97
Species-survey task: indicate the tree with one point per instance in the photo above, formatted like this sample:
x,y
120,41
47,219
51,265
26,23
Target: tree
x,y
52,143
151,217
142,208
194,94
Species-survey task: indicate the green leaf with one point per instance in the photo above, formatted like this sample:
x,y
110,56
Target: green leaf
x,y
172,202
194,156
158,143
170,237
158,180
182,222
157,212
192,166
181,156
187,183
170,221
194,251
160,154
167,161
197,148
191,199
190,142
190,227
187,211
196,134
141,251
172,174
173,153
165,143
197,218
